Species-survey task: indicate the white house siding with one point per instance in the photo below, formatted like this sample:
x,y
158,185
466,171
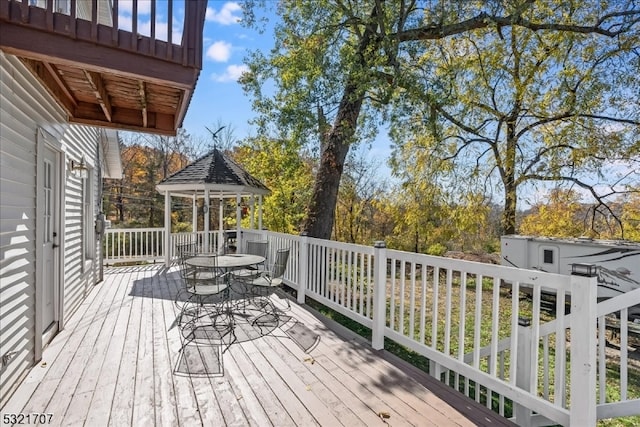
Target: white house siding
x,y
80,275
25,106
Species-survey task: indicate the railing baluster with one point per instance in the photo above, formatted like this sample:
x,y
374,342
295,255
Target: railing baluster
x,y
134,26
73,25
114,21
152,42
94,20
49,15
170,27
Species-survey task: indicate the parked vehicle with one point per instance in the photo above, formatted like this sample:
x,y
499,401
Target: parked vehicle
x,y
617,261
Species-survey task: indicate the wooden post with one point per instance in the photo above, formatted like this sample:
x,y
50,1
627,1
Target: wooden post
x,y
303,267
167,229
584,291
239,244
194,215
523,371
205,207
222,241
260,212
252,210
379,295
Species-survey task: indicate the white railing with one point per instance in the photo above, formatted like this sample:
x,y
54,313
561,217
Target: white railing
x,y
133,245
127,245
481,335
506,337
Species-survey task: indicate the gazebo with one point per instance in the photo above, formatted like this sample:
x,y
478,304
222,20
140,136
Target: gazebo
x,y
214,176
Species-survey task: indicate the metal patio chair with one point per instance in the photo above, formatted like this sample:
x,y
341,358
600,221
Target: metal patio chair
x,y
263,284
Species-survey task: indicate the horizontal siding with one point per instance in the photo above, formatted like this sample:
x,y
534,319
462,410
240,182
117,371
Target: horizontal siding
x,y
25,106
78,140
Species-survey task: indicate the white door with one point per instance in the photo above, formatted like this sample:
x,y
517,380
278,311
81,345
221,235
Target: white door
x,y
50,196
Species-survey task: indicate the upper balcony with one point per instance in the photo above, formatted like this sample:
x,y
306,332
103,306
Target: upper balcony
x,y
127,65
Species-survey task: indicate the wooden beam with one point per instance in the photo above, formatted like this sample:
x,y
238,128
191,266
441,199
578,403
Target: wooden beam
x,y
51,81
125,118
142,91
96,83
53,71
183,104
52,47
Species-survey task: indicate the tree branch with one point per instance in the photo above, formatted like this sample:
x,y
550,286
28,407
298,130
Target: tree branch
x,y
484,20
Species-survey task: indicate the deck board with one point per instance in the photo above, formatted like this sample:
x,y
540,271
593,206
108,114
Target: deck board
x,y
122,361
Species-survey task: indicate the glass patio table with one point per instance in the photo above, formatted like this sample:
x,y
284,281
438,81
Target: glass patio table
x,y
226,262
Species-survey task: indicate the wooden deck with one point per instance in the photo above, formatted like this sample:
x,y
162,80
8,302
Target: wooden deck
x,y
122,360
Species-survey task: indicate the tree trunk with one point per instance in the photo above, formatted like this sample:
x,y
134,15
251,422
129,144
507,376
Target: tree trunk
x,y
509,182
321,211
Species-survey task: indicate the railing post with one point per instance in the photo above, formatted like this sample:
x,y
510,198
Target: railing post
x,y
584,291
303,267
523,370
379,295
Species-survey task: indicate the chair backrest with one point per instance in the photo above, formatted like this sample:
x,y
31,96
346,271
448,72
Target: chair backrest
x,y
280,264
258,247
185,249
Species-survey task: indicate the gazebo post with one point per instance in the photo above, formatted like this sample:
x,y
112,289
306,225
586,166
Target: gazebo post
x,y
253,212
221,236
194,214
205,240
238,219
167,228
260,212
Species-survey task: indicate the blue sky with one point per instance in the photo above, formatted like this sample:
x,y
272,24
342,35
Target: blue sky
x,y
218,96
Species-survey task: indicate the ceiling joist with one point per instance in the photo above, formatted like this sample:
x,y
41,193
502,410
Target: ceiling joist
x,y
96,83
142,91
49,77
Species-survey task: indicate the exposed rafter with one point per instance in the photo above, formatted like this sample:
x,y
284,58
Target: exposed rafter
x,y
49,77
96,83
142,91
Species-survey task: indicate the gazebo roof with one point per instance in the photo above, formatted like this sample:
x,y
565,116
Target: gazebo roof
x,y
216,172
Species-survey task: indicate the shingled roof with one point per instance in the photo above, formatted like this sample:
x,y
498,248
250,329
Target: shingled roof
x,y
215,171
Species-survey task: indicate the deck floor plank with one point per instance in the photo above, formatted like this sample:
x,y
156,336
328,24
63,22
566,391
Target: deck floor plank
x,y
273,353
247,375
164,316
79,406
277,388
144,409
125,384
315,378
100,409
121,362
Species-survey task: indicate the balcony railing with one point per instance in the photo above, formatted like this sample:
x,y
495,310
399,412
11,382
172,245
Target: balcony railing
x,y
131,65
521,357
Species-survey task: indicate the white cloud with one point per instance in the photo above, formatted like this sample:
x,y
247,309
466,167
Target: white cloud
x,y
228,15
219,51
144,28
231,74
144,6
